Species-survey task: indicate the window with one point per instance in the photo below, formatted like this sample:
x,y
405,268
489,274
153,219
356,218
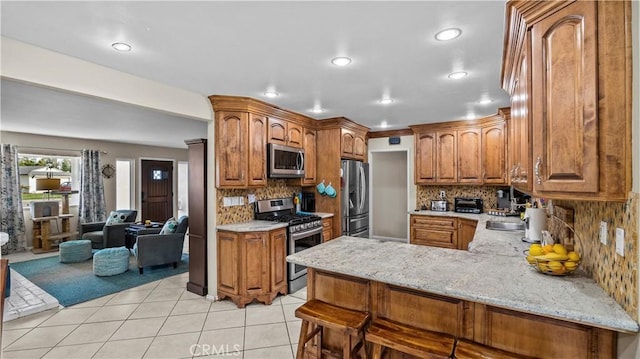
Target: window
x,y
32,168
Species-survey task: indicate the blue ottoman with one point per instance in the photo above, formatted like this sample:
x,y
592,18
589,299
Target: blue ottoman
x,y
75,251
111,261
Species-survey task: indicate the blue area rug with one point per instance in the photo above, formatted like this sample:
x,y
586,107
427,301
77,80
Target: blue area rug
x,y
73,283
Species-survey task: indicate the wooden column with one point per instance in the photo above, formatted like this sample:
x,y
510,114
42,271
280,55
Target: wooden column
x,y
197,216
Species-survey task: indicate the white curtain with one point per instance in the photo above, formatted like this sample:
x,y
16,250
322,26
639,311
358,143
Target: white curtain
x,y
11,215
92,204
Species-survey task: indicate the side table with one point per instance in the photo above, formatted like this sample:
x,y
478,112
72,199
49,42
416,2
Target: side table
x,y
44,240
133,231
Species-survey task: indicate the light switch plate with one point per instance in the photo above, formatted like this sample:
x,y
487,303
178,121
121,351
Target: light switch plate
x,y
251,198
620,241
603,232
227,201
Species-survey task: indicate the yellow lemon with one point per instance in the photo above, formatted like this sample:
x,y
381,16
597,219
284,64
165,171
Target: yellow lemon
x,y
559,248
570,266
573,256
536,251
547,248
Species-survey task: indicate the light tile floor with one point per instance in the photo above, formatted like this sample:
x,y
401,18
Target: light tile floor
x,y
157,320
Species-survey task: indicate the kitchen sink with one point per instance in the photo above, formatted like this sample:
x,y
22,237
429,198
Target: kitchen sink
x,y
505,226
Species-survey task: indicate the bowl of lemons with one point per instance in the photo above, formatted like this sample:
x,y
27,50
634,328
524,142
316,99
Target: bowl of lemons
x,y
552,259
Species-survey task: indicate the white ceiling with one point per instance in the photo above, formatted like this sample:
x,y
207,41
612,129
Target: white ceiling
x,y
247,48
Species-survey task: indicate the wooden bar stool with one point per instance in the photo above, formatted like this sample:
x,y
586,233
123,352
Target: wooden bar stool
x,y
322,315
384,333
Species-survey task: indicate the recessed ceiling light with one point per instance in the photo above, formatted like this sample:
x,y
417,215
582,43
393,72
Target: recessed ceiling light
x,y
386,101
448,34
341,61
317,109
485,101
121,46
457,75
271,94
384,124
471,116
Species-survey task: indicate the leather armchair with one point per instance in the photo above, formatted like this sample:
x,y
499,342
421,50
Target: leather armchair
x,y
107,236
158,249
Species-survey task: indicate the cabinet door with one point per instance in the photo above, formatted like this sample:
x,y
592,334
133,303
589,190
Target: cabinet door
x,y
255,263
493,154
359,147
231,150
466,231
434,231
278,253
294,135
257,167
310,143
347,144
565,101
469,156
425,161
228,262
447,165
277,131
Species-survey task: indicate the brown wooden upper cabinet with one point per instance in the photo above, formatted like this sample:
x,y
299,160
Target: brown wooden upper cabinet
x,y
461,152
353,145
576,56
241,145
309,144
285,133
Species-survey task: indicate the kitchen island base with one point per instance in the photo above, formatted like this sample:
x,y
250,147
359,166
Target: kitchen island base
x,y
504,329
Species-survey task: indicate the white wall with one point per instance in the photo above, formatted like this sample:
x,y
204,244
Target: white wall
x,y
389,194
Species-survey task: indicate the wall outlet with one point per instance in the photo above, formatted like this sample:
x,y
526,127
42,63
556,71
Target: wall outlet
x,y
620,241
443,194
603,232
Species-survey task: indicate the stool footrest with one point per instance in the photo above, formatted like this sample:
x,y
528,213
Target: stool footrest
x,y
410,340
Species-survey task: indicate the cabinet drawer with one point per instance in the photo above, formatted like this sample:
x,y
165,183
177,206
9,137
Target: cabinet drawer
x,y
442,222
327,223
434,237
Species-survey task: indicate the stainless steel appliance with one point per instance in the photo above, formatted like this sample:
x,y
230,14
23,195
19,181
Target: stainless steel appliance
x,y
285,161
308,202
355,198
440,205
468,205
303,231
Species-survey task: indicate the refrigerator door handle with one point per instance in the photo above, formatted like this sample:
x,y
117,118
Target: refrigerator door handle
x,y
363,188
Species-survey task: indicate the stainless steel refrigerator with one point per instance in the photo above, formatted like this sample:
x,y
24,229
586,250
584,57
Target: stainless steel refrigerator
x,y
355,198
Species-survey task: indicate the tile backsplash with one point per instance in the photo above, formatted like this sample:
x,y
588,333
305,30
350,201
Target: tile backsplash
x,y
617,275
424,194
276,188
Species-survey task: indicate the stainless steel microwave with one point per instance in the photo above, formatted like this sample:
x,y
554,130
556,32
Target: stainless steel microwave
x,y
285,161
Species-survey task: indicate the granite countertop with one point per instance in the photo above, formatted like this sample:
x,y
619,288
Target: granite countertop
x,y
323,215
477,275
252,226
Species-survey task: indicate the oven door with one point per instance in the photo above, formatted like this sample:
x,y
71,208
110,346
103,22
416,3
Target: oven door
x,y
298,242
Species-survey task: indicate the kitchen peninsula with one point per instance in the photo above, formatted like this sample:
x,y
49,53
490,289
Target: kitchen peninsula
x,y
488,294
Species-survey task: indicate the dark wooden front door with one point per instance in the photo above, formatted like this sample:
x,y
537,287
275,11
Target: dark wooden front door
x,y
157,190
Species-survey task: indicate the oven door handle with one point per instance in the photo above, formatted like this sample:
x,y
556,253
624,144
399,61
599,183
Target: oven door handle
x,y
307,233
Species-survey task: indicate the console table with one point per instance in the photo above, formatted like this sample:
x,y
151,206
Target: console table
x,y
44,240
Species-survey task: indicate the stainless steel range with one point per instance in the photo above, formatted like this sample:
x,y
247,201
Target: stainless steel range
x,y
304,231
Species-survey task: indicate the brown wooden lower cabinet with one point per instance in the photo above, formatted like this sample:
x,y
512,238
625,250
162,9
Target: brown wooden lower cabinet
x,y
509,330
327,229
252,266
441,231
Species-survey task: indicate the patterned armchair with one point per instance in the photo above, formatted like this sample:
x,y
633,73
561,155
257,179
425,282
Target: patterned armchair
x,y
162,248
103,235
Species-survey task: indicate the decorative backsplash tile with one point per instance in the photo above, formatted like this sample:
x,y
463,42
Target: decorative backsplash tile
x,y
276,188
615,274
424,194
